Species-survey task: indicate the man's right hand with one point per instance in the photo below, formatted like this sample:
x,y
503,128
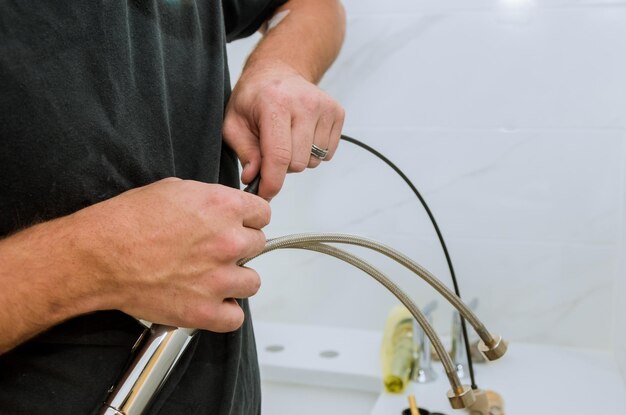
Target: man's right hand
x,y
166,252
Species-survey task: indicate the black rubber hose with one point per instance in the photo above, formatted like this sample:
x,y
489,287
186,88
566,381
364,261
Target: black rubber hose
x,y
253,187
364,146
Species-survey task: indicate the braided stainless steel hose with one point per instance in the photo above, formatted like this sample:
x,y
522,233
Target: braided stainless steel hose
x,y
493,347
460,396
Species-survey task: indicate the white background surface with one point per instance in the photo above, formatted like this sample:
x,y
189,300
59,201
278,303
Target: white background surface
x,y
510,116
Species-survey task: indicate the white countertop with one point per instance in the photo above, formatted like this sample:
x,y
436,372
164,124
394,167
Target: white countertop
x,y
532,379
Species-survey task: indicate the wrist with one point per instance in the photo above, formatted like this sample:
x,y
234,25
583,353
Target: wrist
x,y
65,263
85,253
277,67
307,39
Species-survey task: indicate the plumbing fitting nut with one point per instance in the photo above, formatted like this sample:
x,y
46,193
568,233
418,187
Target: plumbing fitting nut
x,y
494,351
461,399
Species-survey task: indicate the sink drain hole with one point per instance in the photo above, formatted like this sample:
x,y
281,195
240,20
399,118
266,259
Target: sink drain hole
x,y
329,354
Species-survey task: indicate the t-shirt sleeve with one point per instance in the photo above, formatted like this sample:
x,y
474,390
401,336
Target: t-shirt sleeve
x,y
244,17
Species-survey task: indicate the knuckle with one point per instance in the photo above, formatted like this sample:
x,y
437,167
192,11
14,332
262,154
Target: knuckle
x,y
235,200
341,113
227,199
328,103
277,96
266,215
255,283
233,245
170,180
191,193
230,128
235,319
256,286
199,316
297,166
274,186
263,213
310,104
333,147
213,319
281,155
260,242
228,319
314,162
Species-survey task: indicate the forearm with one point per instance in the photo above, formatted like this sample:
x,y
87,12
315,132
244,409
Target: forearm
x,y
307,39
43,281
166,252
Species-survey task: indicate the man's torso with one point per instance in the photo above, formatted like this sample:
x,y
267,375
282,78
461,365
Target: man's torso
x,y
97,99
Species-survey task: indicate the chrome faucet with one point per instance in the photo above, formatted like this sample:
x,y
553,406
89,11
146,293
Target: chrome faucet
x,y
458,352
423,371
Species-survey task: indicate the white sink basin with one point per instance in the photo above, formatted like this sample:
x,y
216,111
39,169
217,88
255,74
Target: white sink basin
x,y
345,378
317,370
290,398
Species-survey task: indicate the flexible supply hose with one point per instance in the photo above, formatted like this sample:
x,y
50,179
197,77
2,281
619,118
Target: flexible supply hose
x,y
305,239
395,290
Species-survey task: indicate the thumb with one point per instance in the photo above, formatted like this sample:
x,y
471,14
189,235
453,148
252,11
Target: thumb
x,y
245,144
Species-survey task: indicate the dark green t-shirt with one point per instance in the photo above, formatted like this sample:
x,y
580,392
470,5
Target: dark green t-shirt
x,y
98,97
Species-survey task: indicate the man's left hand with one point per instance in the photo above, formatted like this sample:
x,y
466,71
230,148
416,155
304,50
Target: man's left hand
x,y
273,118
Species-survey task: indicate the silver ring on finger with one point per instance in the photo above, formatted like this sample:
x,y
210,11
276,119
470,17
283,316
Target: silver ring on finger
x,y
318,153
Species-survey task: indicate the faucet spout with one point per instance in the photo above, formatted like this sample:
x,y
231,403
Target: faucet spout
x,y
423,371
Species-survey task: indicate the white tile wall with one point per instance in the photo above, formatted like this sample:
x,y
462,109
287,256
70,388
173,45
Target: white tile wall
x,y
532,240
511,121
555,69
358,7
